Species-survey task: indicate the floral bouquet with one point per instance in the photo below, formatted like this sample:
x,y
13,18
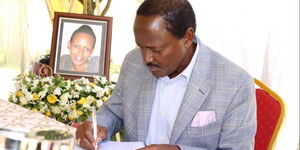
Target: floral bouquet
x,y
65,100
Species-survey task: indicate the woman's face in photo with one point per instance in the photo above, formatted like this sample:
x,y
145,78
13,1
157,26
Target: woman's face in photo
x,y
81,48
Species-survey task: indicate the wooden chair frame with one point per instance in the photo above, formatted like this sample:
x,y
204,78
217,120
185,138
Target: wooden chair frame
x,y
282,113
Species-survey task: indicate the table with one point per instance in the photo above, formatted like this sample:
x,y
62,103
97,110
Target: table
x,y
15,117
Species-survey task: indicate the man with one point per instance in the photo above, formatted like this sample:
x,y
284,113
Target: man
x,y
174,92
81,47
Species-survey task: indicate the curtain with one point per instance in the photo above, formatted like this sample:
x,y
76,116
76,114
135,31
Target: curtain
x,y
261,36
12,42
25,34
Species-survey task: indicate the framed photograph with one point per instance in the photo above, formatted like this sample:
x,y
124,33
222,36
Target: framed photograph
x,y
80,45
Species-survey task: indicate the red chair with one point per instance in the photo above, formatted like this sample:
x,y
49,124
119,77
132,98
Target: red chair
x,y
270,114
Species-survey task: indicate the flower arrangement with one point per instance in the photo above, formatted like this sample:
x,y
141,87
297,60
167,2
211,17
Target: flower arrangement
x,y
65,100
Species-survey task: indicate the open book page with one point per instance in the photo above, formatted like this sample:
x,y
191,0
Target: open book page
x,y
111,145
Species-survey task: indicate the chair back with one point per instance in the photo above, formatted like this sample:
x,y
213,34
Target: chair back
x,y
270,114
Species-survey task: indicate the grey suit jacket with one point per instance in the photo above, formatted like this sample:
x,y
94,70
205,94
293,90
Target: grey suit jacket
x,y
216,84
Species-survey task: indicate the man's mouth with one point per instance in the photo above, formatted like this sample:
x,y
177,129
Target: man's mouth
x,y
151,65
152,68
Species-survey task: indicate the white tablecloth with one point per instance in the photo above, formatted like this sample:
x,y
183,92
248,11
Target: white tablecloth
x,y
15,117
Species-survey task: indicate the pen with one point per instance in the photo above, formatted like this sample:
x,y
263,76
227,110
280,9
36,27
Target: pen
x,y
94,119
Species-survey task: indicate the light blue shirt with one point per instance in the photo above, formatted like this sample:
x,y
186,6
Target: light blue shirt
x,y
168,97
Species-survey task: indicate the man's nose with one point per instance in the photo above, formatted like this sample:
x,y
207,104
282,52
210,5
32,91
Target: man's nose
x,y
147,55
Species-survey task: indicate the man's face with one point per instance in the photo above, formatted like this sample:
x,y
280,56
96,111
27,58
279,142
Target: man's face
x,y
162,52
81,48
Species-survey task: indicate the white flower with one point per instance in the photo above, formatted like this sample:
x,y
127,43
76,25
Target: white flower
x,y
47,79
68,109
14,98
97,78
69,83
35,83
64,97
27,79
43,107
65,108
67,96
45,86
18,85
57,91
75,94
88,89
96,89
73,114
64,117
72,101
99,91
90,99
84,81
103,80
23,100
114,77
106,89
42,94
28,95
55,110
112,86
99,103
79,88
63,103
85,105
23,89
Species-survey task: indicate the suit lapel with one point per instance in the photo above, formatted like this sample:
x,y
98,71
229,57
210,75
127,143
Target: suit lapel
x,y
145,104
193,99
196,93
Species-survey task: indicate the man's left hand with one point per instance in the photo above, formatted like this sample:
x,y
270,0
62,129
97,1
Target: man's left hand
x,y
160,147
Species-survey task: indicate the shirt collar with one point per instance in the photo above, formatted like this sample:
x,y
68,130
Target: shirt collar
x,y
186,73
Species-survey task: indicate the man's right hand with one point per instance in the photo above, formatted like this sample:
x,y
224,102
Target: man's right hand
x,y
84,135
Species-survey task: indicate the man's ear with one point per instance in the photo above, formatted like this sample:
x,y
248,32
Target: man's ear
x,y
189,37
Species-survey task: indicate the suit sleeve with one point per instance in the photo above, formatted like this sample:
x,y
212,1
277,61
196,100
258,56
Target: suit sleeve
x,y
110,114
239,124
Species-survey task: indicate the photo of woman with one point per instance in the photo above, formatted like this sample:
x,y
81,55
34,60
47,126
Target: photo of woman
x,y
81,46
